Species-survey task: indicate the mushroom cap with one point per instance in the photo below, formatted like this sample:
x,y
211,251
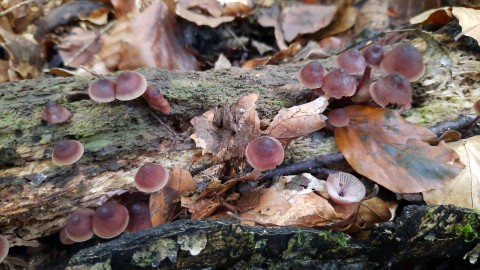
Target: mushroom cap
x,y
4,247
110,220
352,61
130,85
67,152
373,55
406,60
264,153
139,217
79,225
392,89
156,100
311,75
151,177
339,84
64,238
344,188
102,90
338,118
55,113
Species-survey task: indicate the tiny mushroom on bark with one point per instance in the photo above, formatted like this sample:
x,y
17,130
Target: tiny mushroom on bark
x,y
338,118
264,153
139,213
4,247
406,60
352,61
344,188
156,100
67,152
151,177
130,85
102,90
338,84
311,75
392,89
55,113
110,220
79,225
64,238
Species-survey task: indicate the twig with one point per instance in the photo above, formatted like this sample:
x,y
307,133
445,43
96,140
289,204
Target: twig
x,y
8,10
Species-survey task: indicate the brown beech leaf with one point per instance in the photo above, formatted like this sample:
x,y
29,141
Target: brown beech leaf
x,y
306,19
381,145
469,20
79,48
147,40
165,204
463,190
275,59
437,17
299,120
370,212
271,201
225,131
202,208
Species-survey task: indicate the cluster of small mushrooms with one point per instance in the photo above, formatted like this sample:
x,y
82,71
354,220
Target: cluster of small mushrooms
x,y
401,65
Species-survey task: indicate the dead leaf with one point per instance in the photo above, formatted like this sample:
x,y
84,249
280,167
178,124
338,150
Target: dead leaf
x,y
305,19
345,21
437,17
165,204
463,190
202,208
79,48
370,212
382,146
272,202
201,19
270,17
226,131
147,40
299,120
24,55
373,16
275,59
469,20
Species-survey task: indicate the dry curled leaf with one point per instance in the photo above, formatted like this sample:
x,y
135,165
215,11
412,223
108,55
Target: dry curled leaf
x,y
79,48
382,146
225,131
299,120
463,190
165,204
469,20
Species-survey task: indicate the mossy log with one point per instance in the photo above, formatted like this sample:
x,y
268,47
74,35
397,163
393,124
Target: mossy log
x,y
36,197
420,233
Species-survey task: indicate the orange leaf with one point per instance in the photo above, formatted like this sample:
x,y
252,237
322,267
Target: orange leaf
x,y
382,146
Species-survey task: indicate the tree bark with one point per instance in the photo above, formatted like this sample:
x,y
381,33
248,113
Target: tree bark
x,y
420,233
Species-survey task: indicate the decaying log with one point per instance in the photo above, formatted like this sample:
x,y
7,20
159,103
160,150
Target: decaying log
x,y
36,196
419,233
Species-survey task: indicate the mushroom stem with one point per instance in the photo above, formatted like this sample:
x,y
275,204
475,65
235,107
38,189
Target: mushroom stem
x,y
366,75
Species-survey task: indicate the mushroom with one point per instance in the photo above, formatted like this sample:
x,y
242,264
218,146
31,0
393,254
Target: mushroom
x,y
264,153
151,177
373,55
64,238
67,152
156,100
55,113
311,75
338,118
352,61
406,60
4,247
139,213
79,225
102,90
339,84
110,220
344,188
130,85
392,89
